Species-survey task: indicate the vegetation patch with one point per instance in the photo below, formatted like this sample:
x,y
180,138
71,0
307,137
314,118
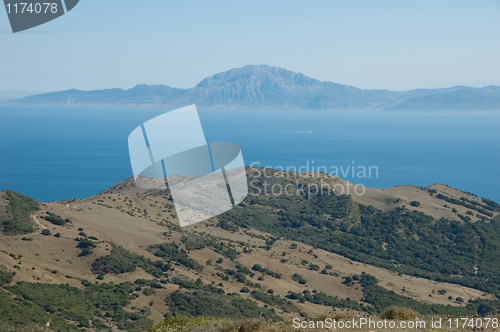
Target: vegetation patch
x,y
203,303
299,278
274,300
383,299
172,253
328,300
401,240
196,242
121,260
56,219
261,269
85,244
36,302
485,208
5,276
15,216
198,285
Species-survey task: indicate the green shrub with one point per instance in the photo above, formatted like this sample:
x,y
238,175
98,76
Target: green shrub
x,y
148,291
257,267
313,267
85,252
298,278
55,219
348,281
85,243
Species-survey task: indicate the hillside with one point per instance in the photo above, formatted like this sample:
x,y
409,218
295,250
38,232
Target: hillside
x,y
487,98
15,210
117,259
261,86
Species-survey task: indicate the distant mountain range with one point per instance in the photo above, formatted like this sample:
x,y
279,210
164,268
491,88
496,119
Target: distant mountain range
x,y
261,86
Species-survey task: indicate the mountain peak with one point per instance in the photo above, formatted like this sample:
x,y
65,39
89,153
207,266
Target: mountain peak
x,y
255,73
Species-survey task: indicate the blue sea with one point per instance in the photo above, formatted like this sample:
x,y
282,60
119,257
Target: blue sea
x,y
60,152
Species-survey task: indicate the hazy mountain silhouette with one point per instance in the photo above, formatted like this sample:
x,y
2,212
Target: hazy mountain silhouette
x,y
261,86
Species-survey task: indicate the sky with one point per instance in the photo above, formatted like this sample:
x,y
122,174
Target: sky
x,y
395,45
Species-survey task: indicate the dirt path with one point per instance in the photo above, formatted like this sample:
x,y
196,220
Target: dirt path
x,y
42,225
36,220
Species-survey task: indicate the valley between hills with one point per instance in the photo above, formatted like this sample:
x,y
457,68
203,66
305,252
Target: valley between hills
x,y
119,261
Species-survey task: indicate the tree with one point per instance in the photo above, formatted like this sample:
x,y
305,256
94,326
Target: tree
x,y
347,281
484,309
313,267
300,279
85,252
86,243
257,267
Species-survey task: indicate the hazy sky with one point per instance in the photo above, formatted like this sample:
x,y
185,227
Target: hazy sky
x,y
395,45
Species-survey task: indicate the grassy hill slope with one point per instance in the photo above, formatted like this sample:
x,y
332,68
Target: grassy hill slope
x,y
118,259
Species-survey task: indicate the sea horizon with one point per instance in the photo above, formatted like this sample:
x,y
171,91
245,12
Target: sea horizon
x,y
57,152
